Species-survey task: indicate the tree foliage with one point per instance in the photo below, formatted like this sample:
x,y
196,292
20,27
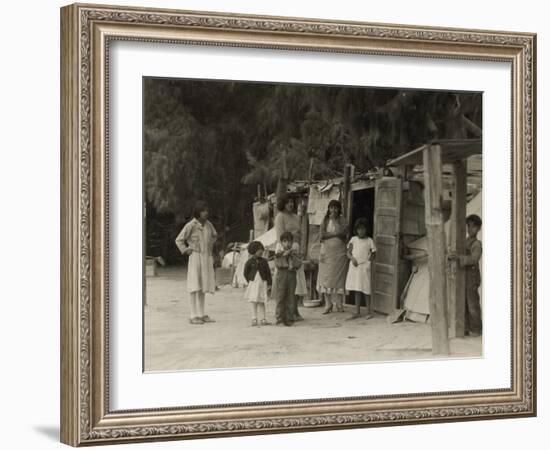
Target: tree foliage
x,y
217,140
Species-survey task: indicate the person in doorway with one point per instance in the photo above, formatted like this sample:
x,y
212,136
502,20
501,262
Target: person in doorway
x,y
333,261
287,262
196,240
361,251
258,276
470,262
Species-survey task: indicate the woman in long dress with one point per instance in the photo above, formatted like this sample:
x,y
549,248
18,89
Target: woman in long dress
x,y
287,220
333,261
196,239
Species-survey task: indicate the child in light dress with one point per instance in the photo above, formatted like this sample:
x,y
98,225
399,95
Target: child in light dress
x,y
361,251
258,276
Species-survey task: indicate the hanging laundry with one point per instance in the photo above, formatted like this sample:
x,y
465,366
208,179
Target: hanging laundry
x,y
260,211
318,200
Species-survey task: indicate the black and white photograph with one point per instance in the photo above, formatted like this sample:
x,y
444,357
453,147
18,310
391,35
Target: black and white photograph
x,y
301,224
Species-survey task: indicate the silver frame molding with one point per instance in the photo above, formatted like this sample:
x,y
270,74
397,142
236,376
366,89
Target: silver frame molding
x,y
86,31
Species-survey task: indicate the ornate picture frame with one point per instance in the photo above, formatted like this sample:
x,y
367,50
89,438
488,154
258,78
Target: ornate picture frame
x,y
86,34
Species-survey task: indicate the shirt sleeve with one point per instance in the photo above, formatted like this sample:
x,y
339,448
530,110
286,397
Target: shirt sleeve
x,y
181,240
267,271
473,257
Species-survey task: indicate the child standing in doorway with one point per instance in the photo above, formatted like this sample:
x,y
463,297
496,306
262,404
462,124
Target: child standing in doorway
x,y
470,262
361,251
258,275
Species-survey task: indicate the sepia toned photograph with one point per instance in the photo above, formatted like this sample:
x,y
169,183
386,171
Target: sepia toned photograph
x,y
277,224
298,224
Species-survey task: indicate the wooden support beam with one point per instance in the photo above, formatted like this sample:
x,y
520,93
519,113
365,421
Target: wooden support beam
x,y
282,182
457,245
436,249
349,170
304,228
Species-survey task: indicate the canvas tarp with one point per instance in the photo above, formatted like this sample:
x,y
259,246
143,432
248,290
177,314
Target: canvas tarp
x,y
269,240
318,200
417,296
260,211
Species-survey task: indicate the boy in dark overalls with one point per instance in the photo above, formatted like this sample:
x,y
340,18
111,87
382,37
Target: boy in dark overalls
x,y
287,262
470,262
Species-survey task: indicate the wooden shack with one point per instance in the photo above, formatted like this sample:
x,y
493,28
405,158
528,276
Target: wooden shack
x,y
447,280
393,200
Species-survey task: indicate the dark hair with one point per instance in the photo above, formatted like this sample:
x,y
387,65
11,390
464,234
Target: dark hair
x,y
283,200
361,222
254,246
474,219
335,203
286,236
200,206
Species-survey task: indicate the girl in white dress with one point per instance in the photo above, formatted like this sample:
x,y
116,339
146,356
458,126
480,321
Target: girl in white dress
x,y
361,251
258,276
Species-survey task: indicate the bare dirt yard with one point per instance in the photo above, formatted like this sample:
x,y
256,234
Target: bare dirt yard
x,y
172,343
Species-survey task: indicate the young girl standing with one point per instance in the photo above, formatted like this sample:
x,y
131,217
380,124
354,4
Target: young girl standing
x,y
258,276
361,251
196,240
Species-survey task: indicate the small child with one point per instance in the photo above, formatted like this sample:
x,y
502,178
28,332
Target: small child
x,y
287,261
258,275
361,251
470,262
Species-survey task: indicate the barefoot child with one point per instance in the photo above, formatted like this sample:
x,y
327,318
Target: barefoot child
x,y
361,251
258,276
287,261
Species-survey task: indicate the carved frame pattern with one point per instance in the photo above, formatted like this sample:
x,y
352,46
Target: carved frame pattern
x,y
95,423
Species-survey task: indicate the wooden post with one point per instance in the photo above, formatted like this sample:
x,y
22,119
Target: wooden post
x,y
349,170
233,268
436,249
457,245
304,228
310,171
282,183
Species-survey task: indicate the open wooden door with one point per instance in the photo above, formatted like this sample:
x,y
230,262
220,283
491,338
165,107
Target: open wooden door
x,y
387,220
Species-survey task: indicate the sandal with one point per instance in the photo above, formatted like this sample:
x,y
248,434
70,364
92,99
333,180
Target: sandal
x,y
207,319
353,317
196,321
254,322
369,316
264,322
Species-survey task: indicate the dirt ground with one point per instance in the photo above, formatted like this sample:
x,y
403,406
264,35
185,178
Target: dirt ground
x,y
172,343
